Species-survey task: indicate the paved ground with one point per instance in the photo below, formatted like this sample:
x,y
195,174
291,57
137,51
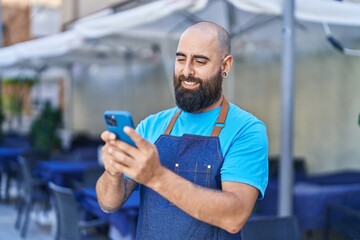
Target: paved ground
x,y
41,227
36,230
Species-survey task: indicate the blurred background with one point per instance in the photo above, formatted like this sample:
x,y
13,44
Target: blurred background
x,y
63,63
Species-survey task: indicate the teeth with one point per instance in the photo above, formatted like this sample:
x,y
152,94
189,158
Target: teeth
x,y
189,83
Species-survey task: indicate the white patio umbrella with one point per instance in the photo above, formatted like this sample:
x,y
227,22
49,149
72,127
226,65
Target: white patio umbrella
x,y
320,11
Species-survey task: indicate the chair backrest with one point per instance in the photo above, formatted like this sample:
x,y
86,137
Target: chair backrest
x,y
271,228
25,177
299,166
67,212
343,220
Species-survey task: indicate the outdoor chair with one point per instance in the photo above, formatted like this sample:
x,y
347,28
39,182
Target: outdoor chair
x,y
299,167
9,169
69,222
342,220
271,228
32,191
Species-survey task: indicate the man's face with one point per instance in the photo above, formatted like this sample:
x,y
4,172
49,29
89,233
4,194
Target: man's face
x,y
197,77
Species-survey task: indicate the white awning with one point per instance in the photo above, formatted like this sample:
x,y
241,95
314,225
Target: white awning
x,y
134,22
50,46
75,40
8,56
329,11
134,17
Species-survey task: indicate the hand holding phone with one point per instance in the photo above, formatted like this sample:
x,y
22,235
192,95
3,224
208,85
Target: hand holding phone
x,y
116,121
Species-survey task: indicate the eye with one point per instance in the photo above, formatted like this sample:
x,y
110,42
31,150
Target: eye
x,y
181,60
201,62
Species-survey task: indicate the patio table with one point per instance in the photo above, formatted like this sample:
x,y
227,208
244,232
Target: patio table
x,y
124,220
63,173
313,194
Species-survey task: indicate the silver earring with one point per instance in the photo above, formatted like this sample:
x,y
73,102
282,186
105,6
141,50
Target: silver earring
x,y
224,74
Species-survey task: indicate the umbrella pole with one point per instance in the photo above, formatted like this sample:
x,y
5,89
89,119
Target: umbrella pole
x,y
287,110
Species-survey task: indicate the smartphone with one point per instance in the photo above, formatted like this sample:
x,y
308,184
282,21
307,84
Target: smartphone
x,y
115,122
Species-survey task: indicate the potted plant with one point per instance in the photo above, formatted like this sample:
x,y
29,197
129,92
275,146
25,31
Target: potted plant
x,y
43,130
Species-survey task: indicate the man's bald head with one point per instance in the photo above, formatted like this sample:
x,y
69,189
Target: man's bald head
x,y
202,62
218,33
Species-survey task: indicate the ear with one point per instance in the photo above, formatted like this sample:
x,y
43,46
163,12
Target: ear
x,y
227,64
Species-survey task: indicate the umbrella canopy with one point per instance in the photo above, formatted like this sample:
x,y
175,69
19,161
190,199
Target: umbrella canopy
x,y
332,12
341,13
69,46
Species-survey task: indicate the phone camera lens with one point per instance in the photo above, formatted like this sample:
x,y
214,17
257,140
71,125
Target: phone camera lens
x,y
111,120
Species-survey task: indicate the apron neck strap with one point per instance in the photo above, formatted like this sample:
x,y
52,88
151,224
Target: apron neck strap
x,y
172,122
219,125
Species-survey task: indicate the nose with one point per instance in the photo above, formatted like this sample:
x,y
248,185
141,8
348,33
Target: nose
x,y
188,70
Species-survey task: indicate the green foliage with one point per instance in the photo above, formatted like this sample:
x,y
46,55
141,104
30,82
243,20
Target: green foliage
x,y
18,82
13,102
43,130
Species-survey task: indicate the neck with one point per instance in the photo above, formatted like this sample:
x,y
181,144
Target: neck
x,y
212,106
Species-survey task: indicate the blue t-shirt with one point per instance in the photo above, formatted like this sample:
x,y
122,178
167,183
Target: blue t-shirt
x,y
243,141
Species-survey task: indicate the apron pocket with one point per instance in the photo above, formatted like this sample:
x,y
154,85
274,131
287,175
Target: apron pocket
x,y
199,174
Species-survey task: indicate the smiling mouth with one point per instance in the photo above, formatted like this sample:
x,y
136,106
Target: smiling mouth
x,y
189,85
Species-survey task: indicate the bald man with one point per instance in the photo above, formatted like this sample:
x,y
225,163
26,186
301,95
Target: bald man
x,y
201,165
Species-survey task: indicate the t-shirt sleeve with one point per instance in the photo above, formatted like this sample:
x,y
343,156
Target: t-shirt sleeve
x,y
247,158
140,128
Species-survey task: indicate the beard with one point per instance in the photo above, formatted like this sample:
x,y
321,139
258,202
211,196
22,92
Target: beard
x,y
207,93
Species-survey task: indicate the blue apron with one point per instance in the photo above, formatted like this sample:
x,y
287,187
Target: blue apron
x,y
197,159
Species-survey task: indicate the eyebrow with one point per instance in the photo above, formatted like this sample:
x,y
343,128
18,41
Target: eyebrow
x,y
178,54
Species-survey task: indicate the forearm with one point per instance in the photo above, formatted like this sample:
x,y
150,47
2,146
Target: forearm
x,y
219,208
110,191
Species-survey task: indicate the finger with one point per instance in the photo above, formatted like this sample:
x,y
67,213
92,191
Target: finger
x,y
109,163
120,157
107,158
117,168
107,136
113,166
140,142
126,148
